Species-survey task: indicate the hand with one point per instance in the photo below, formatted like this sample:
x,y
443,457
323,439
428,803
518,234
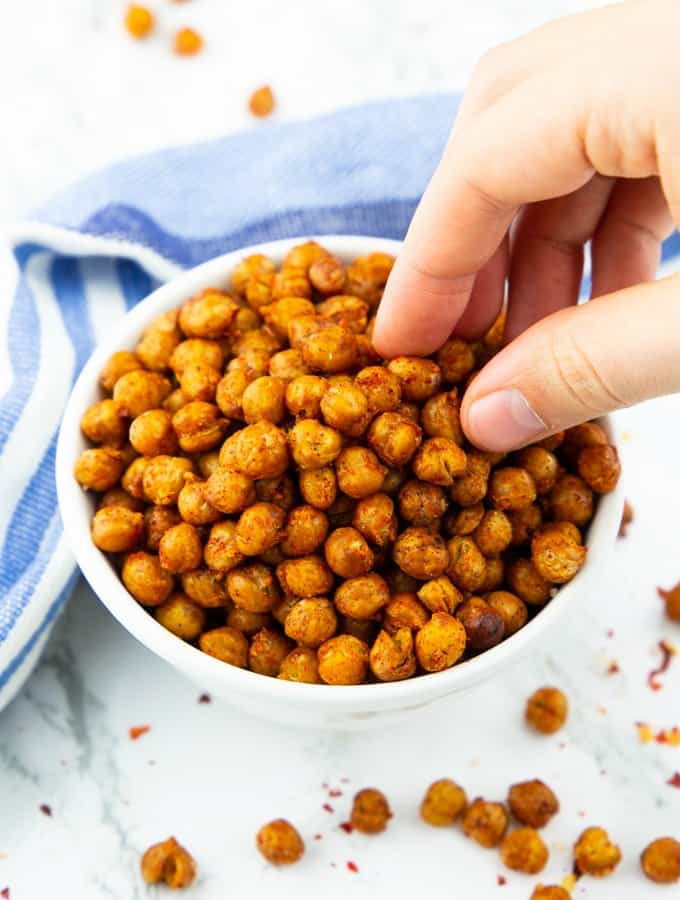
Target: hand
x,y
568,135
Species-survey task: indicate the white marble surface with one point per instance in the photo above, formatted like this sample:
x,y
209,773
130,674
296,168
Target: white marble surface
x,y
76,95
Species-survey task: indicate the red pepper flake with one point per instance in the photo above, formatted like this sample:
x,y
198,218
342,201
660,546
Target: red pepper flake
x,y
670,736
324,785
4,893
205,698
668,651
613,668
674,780
317,837
610,633
501,879
335,793
581,813
136,731
347,827
45,809
352,866
344,781
328,808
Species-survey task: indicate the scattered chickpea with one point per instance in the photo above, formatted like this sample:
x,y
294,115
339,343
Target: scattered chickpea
x,y
168,862
187,42
485,822
139,21
280,843
595,855
523,850
443,803
660,860
370,811
546,710
533,803
550,892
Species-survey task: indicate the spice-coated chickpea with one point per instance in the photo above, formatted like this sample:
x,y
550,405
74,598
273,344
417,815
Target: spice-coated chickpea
x,y
139,390
595,854
471,487
132,480
259,528
304,395
280,843
175,401
345,407
392,657
511,488
151,433
404,611
302,256
439,460
465,520
99,468
229,393
360,473
542,465
206,588
350,312
347,553
484,626
208,315
600,468
381,388
259,289
264,399
311,621
199,382
280,491
287,365
550,892
370,811
144,578
305,531
168,862
364,629
547,710
300,665
494,533
267,651
343,660
197,351
253,587
485,822
314,445
103,423
260,450
440,595
420,553
524,522
249,267
524,580
120,497
510,608
394,438
158,341
164,478
363,596
557,557
374,517
157,520
588,434
283,606
247,622
305,576
199,427
410,411
117,365
565,529
327,275
180,549
440,643
420,378
533,803
226,644
279,314
116,529
443,803
367,355
194,507
523,850
495,574
367,276
394,480
660,860
181,616
228,491
571,500
467,566
440,416
456,360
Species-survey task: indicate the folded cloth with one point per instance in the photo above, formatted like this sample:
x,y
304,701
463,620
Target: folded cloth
x,y
100,247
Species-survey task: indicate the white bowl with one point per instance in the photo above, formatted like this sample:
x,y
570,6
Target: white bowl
x,y
321,706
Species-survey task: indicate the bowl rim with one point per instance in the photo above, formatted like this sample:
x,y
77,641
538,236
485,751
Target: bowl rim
x,y
106,584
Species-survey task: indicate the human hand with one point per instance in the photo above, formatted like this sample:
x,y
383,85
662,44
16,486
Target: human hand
x,y
568,135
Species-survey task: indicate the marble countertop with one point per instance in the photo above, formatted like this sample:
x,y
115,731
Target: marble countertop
x,y
79,96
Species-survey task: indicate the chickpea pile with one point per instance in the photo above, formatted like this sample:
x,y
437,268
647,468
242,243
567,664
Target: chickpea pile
x,y
274,492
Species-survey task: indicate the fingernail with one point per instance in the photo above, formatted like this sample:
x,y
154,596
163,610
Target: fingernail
x,y
504,420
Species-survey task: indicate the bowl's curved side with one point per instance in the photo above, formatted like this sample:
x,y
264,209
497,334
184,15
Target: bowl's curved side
x,y
300,703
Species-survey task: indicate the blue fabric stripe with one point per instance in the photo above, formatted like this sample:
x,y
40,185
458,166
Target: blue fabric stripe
x,y
135,283
68,285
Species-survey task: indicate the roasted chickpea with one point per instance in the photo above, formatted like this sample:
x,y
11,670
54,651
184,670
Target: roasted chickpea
x,y
199,427
350,312
511,488
595,854
99,468
394,480
116,529
145,579
494,533
484,626
443,803
571,500
347,552
410,411
524,522
311,621
364,629
374,517
556,556
359,471
439,461
181,616
367,276
287,365
226,644
485,822
345,407
314,445
511,609
151,433
199,382
440,595
495,574
229,393
247,622
157,520
164,478
533,803
139,390
197,351
392,657
370,811
304,395
565,529
228,491
524,850
363,596
471,487
456,360
253,587
249,267
206,588
120,497
300,665
671,600
132,480
280,314
327,275
102,423
547,710
194,507
267,651
465,520
329,348
280,491
305,576
381,388
259,528
660,861
441,417
525,581
168,862
467,566
420,553
258,451
259,289
404,611
542,465
343,660
394,438
420,378
175,401
280,843
600,468
305,531
208,315
589,434
158,341
117,365
180,549
440,643
550,892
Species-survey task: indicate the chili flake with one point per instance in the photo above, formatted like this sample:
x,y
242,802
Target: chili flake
x,y
347,827
317,837
674,780
205,698
328,808
670,736
501,880
613,668
136,731
626,518
4,893
45,809
668,651
335,793
352,866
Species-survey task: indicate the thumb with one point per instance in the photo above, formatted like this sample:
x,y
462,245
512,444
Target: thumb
x,y
576,364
